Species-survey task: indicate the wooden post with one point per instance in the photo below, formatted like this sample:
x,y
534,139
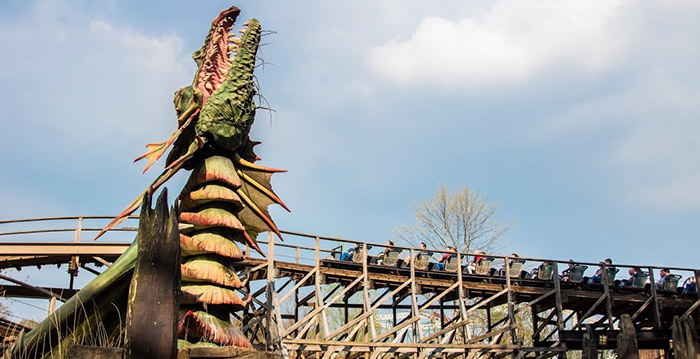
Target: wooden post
x,y
590,344
365,290
52,305
558,302
418,331
627,339
154,294
685,339
511,315
323,320
75,260
657,310
466,334
608,297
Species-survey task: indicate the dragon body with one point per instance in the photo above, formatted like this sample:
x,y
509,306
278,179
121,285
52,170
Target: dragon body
x,y
225,199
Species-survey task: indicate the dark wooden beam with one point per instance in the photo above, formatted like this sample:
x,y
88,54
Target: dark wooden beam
x,y
154,294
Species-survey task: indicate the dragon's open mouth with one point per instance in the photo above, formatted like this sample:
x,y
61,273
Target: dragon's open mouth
x,y
221,47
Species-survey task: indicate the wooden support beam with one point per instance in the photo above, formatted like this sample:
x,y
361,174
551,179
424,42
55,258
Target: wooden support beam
x,y
590,310
409,320
417,328
655,297
44,291
154,293
367,313
641,308
365,294
321,307
464,321
296,286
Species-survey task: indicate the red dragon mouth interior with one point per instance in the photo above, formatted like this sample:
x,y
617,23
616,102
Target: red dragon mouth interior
x,y
219,52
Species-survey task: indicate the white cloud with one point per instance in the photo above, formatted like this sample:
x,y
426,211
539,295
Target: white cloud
x,y
512,41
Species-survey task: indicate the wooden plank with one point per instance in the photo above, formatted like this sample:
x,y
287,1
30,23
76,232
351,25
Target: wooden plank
x,y
365,346
464,321
460,296
417,328
154,294
408,321
319,301
91,352
657,309
590,310
321,307
365,292
299,284
641,309
368,312
511,315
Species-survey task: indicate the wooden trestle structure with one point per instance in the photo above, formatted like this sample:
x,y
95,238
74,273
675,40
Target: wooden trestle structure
x,y
307,302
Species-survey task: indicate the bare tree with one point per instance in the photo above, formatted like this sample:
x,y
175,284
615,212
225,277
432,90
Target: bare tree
x,y
464,219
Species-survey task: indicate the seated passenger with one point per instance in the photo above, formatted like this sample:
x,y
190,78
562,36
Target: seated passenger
x,y
633,272
389,247
502,271
452,253
423,247
663,273
596,278
478,255
566,273
690,286
347,256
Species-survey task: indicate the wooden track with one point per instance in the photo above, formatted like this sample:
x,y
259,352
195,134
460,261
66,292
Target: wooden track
x,y
292,300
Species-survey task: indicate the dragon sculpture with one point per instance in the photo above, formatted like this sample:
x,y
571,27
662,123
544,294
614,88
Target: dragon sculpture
x,y
224,201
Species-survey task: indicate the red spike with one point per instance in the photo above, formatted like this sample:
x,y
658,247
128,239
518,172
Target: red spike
x,y
251,165
252,243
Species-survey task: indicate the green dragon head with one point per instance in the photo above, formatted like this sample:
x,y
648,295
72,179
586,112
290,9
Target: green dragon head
x,y
217,110
223,86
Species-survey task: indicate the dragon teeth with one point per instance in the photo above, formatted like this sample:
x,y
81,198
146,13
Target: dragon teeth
x,y
235,40
208,86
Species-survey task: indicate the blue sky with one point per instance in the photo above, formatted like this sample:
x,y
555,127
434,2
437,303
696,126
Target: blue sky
x,y
580,117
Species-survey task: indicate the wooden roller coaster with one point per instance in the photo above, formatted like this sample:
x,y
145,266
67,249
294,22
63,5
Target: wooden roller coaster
x,y
307,301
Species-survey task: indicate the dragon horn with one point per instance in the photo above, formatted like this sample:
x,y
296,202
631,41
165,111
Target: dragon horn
x,y
253,166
